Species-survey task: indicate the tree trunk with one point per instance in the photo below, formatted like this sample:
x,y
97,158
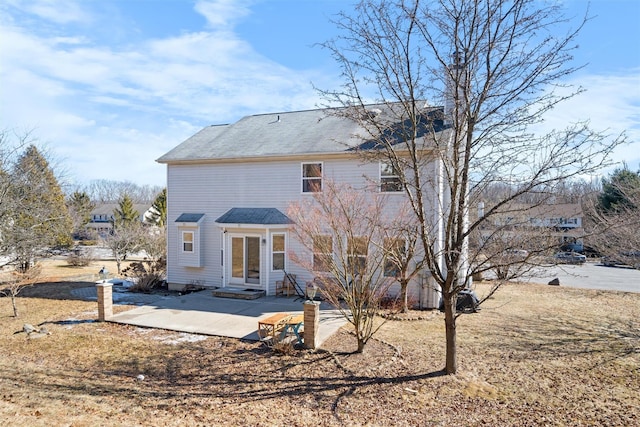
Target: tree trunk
x,y
450,331
404,297
15,306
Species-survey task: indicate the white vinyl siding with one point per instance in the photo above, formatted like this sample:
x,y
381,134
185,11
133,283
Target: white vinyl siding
x,y
215,188
189,246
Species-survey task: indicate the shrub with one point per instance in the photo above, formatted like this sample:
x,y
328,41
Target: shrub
x,y
80,259
146,275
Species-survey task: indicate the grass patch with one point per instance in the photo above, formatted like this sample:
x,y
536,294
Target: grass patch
x,y
534,355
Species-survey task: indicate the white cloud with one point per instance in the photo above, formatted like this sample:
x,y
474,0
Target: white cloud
x,y
222,14
611,104
56,11
95,104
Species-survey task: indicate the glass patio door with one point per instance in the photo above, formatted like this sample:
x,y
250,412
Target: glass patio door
x,y
245,260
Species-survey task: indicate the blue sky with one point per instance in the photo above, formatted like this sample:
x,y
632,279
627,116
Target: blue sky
x,y
108,86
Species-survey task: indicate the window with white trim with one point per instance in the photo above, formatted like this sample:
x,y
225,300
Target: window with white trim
x,y
322,252
277,252
357,251
394,249
389,178
187,241
312,177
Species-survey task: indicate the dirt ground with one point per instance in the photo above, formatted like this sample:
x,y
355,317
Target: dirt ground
x,y
534,355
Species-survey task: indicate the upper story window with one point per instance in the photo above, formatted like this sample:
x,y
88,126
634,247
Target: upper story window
x,y
187,241
311,177
389,178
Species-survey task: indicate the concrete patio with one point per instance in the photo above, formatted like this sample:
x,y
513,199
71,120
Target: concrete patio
x,y
202,313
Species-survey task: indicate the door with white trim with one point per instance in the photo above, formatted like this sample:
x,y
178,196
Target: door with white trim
x,y
245,260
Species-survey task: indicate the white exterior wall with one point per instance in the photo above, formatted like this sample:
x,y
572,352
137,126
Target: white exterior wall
x,y
213,189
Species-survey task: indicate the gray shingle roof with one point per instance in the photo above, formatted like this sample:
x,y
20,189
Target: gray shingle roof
x,y
190,217
264,216
277,134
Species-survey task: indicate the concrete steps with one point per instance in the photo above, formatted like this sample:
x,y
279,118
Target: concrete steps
x,y
247,294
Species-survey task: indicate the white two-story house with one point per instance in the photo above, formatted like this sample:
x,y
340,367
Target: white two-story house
x,y
229,187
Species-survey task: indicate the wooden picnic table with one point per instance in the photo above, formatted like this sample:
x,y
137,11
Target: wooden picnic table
x,y
272,325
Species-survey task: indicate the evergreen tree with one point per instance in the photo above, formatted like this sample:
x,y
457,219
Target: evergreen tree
x,y
158,212
39,218
80,207
615,190
125,214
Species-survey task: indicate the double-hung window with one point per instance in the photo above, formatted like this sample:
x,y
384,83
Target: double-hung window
x,y
389,178
187,241
277,252
357,252
394,249
311,177
322,252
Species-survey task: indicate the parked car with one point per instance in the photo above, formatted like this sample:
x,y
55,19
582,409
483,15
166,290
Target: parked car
x,y
624,259
569,258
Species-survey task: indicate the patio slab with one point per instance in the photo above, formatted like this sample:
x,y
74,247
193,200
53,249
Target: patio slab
x,y
202,313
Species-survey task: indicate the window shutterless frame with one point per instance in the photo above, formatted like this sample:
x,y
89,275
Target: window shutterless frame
x,y
389,179
312,177
187,241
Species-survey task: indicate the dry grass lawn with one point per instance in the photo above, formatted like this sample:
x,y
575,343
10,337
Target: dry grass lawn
x,y
535,355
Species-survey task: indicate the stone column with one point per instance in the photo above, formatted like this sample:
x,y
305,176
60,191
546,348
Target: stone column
x,y
311,323
105,300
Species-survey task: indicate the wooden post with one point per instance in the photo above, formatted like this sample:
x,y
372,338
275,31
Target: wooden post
x,y
311,323
105,300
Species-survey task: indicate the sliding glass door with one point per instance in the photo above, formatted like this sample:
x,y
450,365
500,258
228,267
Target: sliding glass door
x,y
245,260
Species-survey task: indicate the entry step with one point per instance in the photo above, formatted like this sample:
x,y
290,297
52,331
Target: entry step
x,y
237,293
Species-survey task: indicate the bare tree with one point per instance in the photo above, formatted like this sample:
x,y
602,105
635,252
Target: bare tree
x,y
106,191
123,241
400,246
18,281
342,230
496,66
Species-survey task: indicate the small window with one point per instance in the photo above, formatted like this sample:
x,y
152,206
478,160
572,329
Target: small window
x,y
394,249
389,178
357,250
187,241
277,252
311,177
322,252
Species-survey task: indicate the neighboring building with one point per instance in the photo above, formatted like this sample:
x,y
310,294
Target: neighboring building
x,y
229,187
563,221
101,222
566,221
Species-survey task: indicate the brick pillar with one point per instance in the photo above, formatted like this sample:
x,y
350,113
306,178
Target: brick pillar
x,y
105,301
311,323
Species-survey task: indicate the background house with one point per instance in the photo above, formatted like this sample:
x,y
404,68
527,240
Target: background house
x,y
101,222
229,187
562,222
